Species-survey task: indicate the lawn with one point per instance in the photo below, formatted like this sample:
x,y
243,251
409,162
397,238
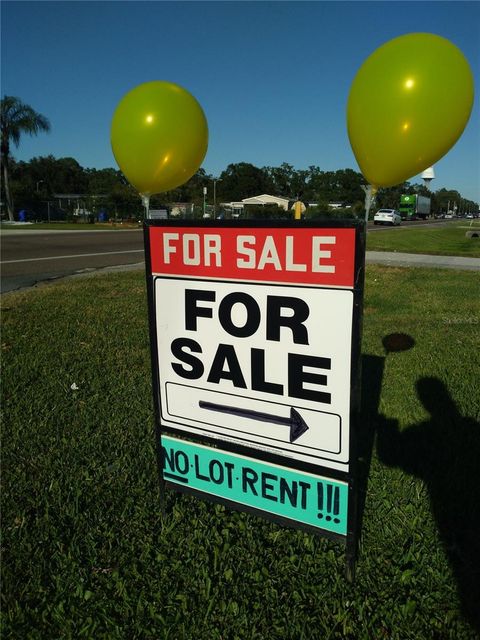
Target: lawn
x,y
88,554
449,240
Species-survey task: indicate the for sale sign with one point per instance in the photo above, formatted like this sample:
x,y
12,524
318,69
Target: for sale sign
x,y
255,338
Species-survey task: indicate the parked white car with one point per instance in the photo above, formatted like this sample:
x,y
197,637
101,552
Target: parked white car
x,y
387,216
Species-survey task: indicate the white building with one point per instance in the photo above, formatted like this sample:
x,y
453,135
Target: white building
x,y
235,208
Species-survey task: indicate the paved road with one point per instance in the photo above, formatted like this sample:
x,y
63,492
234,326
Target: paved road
x,y
33,256
28,257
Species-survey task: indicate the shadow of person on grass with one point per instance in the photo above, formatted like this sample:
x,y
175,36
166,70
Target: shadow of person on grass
x,y
444,451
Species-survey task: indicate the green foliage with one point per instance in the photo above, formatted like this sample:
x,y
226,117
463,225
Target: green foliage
x,y
191,191
323,212
266,212
16,119
389,198
36,181
87,552
446,199
287,181
358,209
243,180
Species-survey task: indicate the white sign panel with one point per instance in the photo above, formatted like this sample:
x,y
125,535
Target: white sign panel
x,y
261,365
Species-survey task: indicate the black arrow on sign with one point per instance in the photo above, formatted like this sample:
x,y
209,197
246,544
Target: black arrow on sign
x,y
297,424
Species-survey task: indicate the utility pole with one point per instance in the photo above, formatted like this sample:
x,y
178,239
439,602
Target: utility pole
x,y
215,180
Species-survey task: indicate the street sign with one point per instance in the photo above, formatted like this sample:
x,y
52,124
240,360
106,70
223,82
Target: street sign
x,y
255,337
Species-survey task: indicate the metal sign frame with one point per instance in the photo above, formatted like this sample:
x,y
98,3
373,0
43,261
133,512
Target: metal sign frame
x,y
263,457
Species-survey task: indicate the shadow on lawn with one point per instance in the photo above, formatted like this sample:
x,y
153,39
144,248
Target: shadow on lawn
x,y
444,451
372,376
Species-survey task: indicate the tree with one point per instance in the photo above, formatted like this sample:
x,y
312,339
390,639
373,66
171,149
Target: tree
x,y
102,181
70,177
125,200
349,186
242,180
322,185
16,118
447,199
287,181
266,212
192,191
389,197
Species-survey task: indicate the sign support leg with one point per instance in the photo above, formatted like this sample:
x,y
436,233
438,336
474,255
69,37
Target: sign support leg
x,y
350,569
351,548
162,485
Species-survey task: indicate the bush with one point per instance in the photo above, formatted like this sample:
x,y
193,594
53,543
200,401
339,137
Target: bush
x,y
266,212
322,213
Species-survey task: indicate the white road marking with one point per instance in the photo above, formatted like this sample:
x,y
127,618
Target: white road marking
x,y
78,255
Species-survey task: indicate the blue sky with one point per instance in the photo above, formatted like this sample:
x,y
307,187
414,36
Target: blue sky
x,y
272,77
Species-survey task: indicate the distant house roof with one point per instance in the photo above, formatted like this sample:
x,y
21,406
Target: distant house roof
x,y
265,198
262,199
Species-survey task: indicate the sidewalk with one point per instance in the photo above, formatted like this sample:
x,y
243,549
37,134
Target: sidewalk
x,y
419,260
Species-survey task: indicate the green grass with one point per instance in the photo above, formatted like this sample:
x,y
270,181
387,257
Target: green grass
x,y
448,241
87,553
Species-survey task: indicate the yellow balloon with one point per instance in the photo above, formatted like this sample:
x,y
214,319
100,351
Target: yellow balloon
x,y
159,136
408,104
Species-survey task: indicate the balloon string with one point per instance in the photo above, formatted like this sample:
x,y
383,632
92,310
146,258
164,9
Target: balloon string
x,y
370,192
146,204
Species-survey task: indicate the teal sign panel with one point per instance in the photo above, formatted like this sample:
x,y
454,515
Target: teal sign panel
x,y
297,495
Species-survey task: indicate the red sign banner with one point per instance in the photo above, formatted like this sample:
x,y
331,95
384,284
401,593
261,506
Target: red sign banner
x,y
302,256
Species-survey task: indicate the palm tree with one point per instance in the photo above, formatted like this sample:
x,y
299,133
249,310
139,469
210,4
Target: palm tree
x,y
16,118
